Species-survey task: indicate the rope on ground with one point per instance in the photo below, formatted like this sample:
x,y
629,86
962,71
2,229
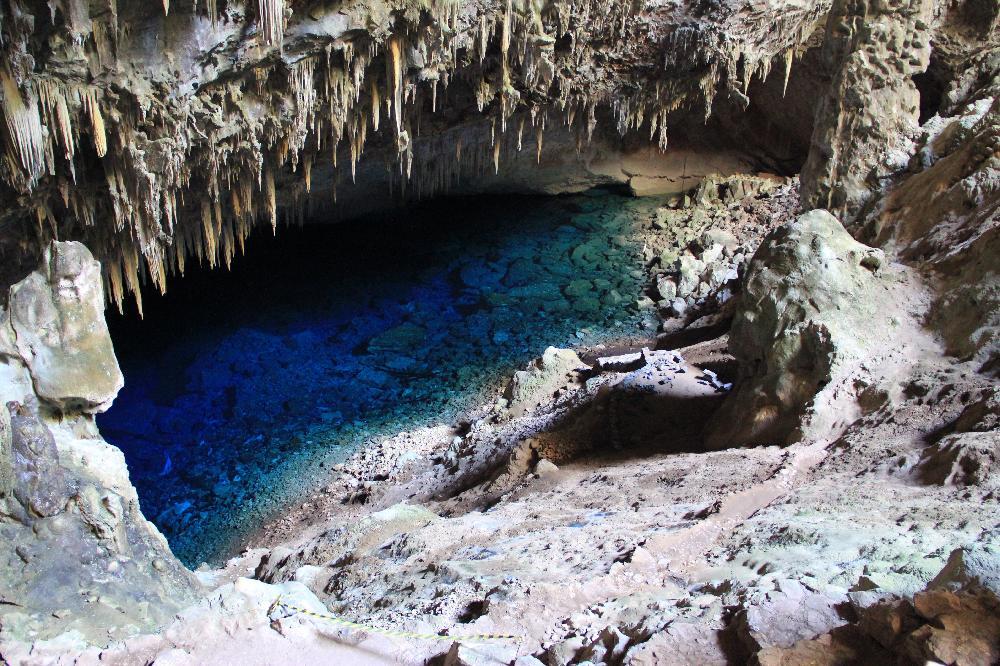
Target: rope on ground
x,y
278,603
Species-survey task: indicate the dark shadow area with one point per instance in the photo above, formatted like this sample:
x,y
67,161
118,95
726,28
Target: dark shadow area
x,y
931,85
686,337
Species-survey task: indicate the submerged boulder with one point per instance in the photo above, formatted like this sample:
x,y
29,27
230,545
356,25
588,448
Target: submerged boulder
x,y
813,302
56,315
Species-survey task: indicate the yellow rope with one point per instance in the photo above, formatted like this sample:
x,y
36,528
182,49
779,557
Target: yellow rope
x,y
392,632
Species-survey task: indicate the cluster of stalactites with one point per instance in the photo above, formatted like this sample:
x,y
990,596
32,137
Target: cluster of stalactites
x,y
39,122
336,98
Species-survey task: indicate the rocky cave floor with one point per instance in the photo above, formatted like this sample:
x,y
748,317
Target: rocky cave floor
x,y
581,513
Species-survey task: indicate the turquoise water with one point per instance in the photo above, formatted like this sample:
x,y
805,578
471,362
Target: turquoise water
x,y
243,387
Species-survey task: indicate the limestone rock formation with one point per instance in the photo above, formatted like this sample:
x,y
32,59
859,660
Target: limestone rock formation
x,y
712,235
552,371
74,541
955,620
56,321
874,49
581,513
943,211
39,485
813,307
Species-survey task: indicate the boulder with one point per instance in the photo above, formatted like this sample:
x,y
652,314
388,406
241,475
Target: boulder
x,y
57,317
552,371
964,459
399,339
667,288
812,301
788,615
959,612
681,643
974,570
689,270
955,620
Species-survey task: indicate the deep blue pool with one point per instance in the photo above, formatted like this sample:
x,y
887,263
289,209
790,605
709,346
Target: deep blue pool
x,y
243,387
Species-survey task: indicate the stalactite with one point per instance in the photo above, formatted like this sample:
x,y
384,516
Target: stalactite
x,y
539,131
329,86
115,290
180,252
483,38
24,127
130,266
208,232
89,98
396,60
272,21
166,7
375,104
54,102
789,55
505,34
271,200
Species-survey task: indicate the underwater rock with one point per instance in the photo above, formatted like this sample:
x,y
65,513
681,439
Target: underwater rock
x,y
401,338
578,288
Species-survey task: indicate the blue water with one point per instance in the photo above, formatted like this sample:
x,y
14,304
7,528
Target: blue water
x,y
243,387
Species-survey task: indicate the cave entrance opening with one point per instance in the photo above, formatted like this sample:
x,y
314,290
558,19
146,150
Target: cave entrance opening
x,y
243,388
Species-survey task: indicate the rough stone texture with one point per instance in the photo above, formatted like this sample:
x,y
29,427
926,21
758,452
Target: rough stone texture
x,y
74,543
765,624
812,298
533,386
57,318
39,482
707,240
953,621
873,48
943,213
6,453
964,459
